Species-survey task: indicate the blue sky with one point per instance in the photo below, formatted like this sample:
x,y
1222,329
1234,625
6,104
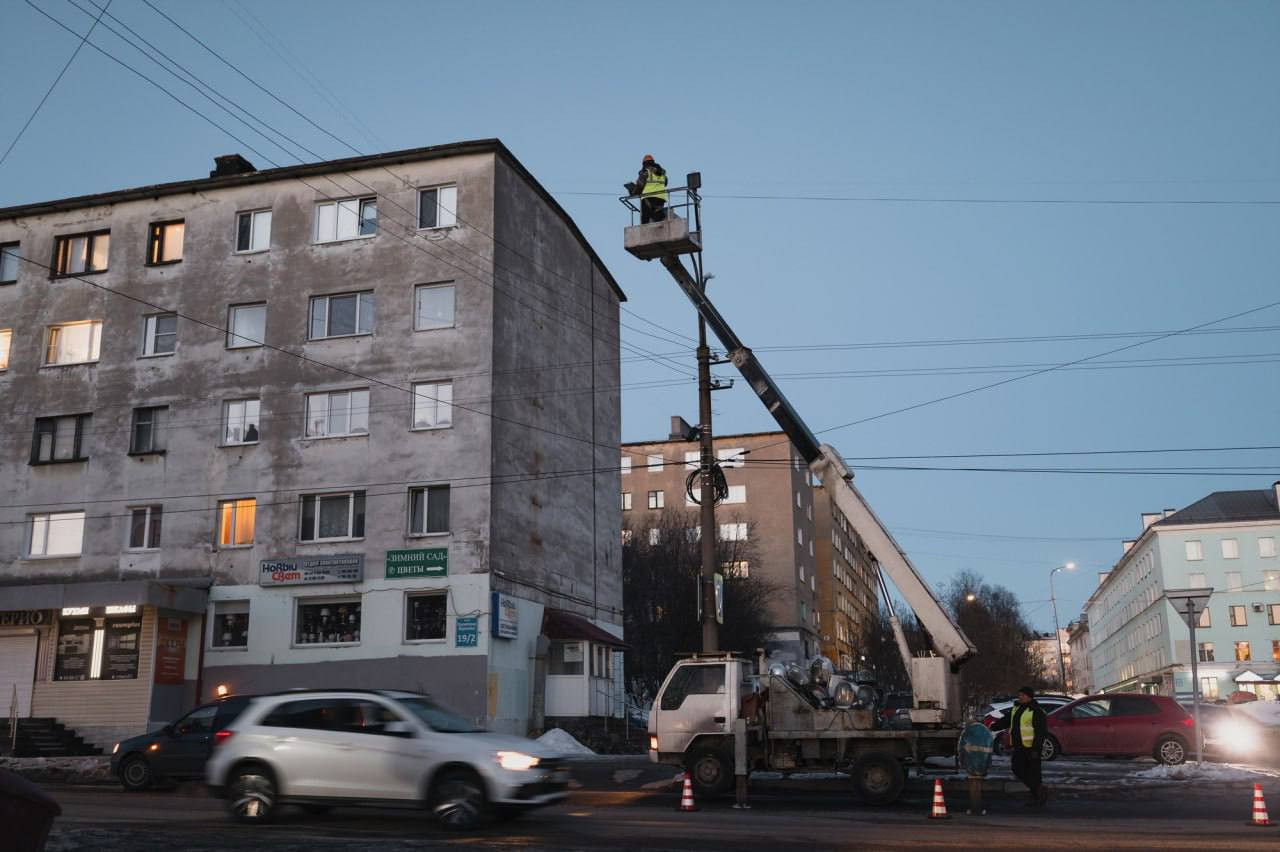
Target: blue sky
x,y
982,100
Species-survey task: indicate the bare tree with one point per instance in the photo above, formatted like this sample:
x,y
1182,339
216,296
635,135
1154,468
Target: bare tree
x,y
991,616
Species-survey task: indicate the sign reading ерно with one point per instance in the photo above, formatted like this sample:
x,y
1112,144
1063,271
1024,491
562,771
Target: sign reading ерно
x,y
336,568
424,562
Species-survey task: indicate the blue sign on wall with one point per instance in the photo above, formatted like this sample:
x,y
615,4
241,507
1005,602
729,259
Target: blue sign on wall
x,y
466,632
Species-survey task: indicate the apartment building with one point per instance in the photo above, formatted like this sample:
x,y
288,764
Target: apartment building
x,y
1079,675
1047,647
847,593
1225,541
770,503
285,428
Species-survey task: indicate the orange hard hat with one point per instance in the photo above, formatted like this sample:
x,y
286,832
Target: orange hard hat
x,y
648,158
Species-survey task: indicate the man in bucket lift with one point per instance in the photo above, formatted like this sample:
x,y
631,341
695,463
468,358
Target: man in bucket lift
x,y
651,186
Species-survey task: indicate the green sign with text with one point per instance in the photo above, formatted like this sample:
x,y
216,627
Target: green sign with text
x,y
426,562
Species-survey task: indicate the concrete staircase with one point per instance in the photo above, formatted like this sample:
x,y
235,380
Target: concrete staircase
x,y
45,737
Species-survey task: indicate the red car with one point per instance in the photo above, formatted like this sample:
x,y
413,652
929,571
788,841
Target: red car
x,y
1121,724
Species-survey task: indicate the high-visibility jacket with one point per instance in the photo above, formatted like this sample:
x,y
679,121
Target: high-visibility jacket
x,y
655,184
1027,726
1026,729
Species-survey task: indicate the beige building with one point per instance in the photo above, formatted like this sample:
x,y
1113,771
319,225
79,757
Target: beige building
x,y
1046,649
847,602
770,503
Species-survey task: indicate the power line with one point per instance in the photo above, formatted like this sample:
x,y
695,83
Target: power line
x,y
853,459
912,199
995,537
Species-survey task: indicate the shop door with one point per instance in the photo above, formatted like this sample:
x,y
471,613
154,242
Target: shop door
x,y
17,668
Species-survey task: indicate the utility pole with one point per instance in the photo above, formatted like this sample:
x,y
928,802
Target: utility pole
x,y
707,495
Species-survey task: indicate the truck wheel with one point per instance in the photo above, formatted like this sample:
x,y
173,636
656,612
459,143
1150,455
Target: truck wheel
x,y
711,772
878,778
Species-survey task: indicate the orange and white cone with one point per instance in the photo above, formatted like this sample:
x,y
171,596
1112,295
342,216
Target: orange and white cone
x,y
939,806
686,795
1259,808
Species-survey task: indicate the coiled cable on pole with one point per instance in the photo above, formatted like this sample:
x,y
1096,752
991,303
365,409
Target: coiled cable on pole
x,y
719,485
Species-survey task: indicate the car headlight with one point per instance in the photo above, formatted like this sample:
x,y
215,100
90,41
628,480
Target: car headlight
x,y
115,749
516,760
1237,737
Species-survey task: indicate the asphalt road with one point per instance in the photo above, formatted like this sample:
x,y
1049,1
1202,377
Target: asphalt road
x,y
614,810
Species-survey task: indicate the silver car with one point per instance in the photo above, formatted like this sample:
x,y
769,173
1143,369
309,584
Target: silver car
x,y
319,749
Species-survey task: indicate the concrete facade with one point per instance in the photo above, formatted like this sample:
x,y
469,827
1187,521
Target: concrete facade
x,y
847,593
530,355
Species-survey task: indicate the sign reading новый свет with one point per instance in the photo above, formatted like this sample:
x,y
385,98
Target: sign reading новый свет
x,y
423,562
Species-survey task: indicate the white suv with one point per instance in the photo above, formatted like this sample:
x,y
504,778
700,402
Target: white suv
x,y
319,749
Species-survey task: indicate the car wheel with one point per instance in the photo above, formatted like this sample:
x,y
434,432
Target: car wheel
x,y
251,794
711,773
1050,749
878,778
1171,751
458,800
135,774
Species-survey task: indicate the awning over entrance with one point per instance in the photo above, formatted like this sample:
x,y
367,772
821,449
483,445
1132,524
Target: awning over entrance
x,y
1249,677
558,624
189,597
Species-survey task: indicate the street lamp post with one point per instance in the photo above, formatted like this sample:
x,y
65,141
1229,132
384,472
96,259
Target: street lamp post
x,y
1062,669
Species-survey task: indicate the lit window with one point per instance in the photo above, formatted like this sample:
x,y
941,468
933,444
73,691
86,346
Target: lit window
x,y
145,435
56,534
425,616
438,207
337,413
433,306
160,334
429,510
626,501
9,263
1230,548
1209,687
235,522
343,315
345,220
657,500
246,325
432,405
80,253
327,517
144,527
1266,547
1239,618
1242,652
1204,621
328,622
60,439
240,421
740,569
165,243
231,624
1195,551
5,337
253,231
1273,613
74,343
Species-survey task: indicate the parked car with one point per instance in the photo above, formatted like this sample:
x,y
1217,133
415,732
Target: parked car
x,y
176,752
896,705
319,749
1120,724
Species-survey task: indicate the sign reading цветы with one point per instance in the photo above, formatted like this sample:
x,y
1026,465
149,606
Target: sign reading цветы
x,y
423,562
335,568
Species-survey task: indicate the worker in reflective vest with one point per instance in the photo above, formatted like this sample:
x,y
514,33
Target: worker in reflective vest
x,y
651,186
1027,730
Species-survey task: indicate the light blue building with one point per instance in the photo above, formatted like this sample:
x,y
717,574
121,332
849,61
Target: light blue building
x,y
1225,541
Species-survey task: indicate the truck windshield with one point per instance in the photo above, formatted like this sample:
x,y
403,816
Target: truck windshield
x,y
693,680
438,718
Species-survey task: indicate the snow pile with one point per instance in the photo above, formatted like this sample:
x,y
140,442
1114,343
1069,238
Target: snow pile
x,y
563,742
1266,712
1204,772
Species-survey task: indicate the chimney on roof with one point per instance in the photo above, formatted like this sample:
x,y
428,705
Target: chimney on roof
x,y
1127,545
231,164
1168,512
1276,488
1102,577
1149,518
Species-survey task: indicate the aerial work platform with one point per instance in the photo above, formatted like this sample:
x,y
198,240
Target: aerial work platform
x,y
675,234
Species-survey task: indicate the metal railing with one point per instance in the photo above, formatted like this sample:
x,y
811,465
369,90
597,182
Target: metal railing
x,y
680,200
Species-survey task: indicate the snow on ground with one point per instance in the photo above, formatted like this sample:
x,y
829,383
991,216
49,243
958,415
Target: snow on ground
x,y
563,742
1221,772
1266,712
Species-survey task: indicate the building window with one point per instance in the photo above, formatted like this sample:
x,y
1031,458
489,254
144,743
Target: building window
x,y
1235,581
626,501
1230,548
1204,618
253,231
5,337
1206,652
1242,652
734,457
345,220
733,532
1275,650
336,413
432,405
1209,687
1238,616
438,207
328,622
1267,547
344,315
800,536
433,306
145,436
60,439
425,616
654,463
692,460
160,334
1196,581
231,624
240,421
164,245
332,517
144,527
8,263
627,536
74,343
1195,552
625,465
740,569
56,534
737,494
80,253
246,325
657,500
429,510
655,537
601,661
1273,613
565,658
235,522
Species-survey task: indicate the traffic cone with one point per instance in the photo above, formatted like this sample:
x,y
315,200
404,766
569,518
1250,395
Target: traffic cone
x,y
939,806
1259,808
686,795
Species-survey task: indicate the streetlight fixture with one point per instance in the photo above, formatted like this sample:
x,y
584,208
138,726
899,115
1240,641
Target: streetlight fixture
x,y
971,597
1062,669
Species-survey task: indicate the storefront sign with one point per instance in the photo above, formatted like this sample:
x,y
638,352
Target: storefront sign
x,y
424,562
120,662
171,650
25,618
337,568
75,648
466,632
504,617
